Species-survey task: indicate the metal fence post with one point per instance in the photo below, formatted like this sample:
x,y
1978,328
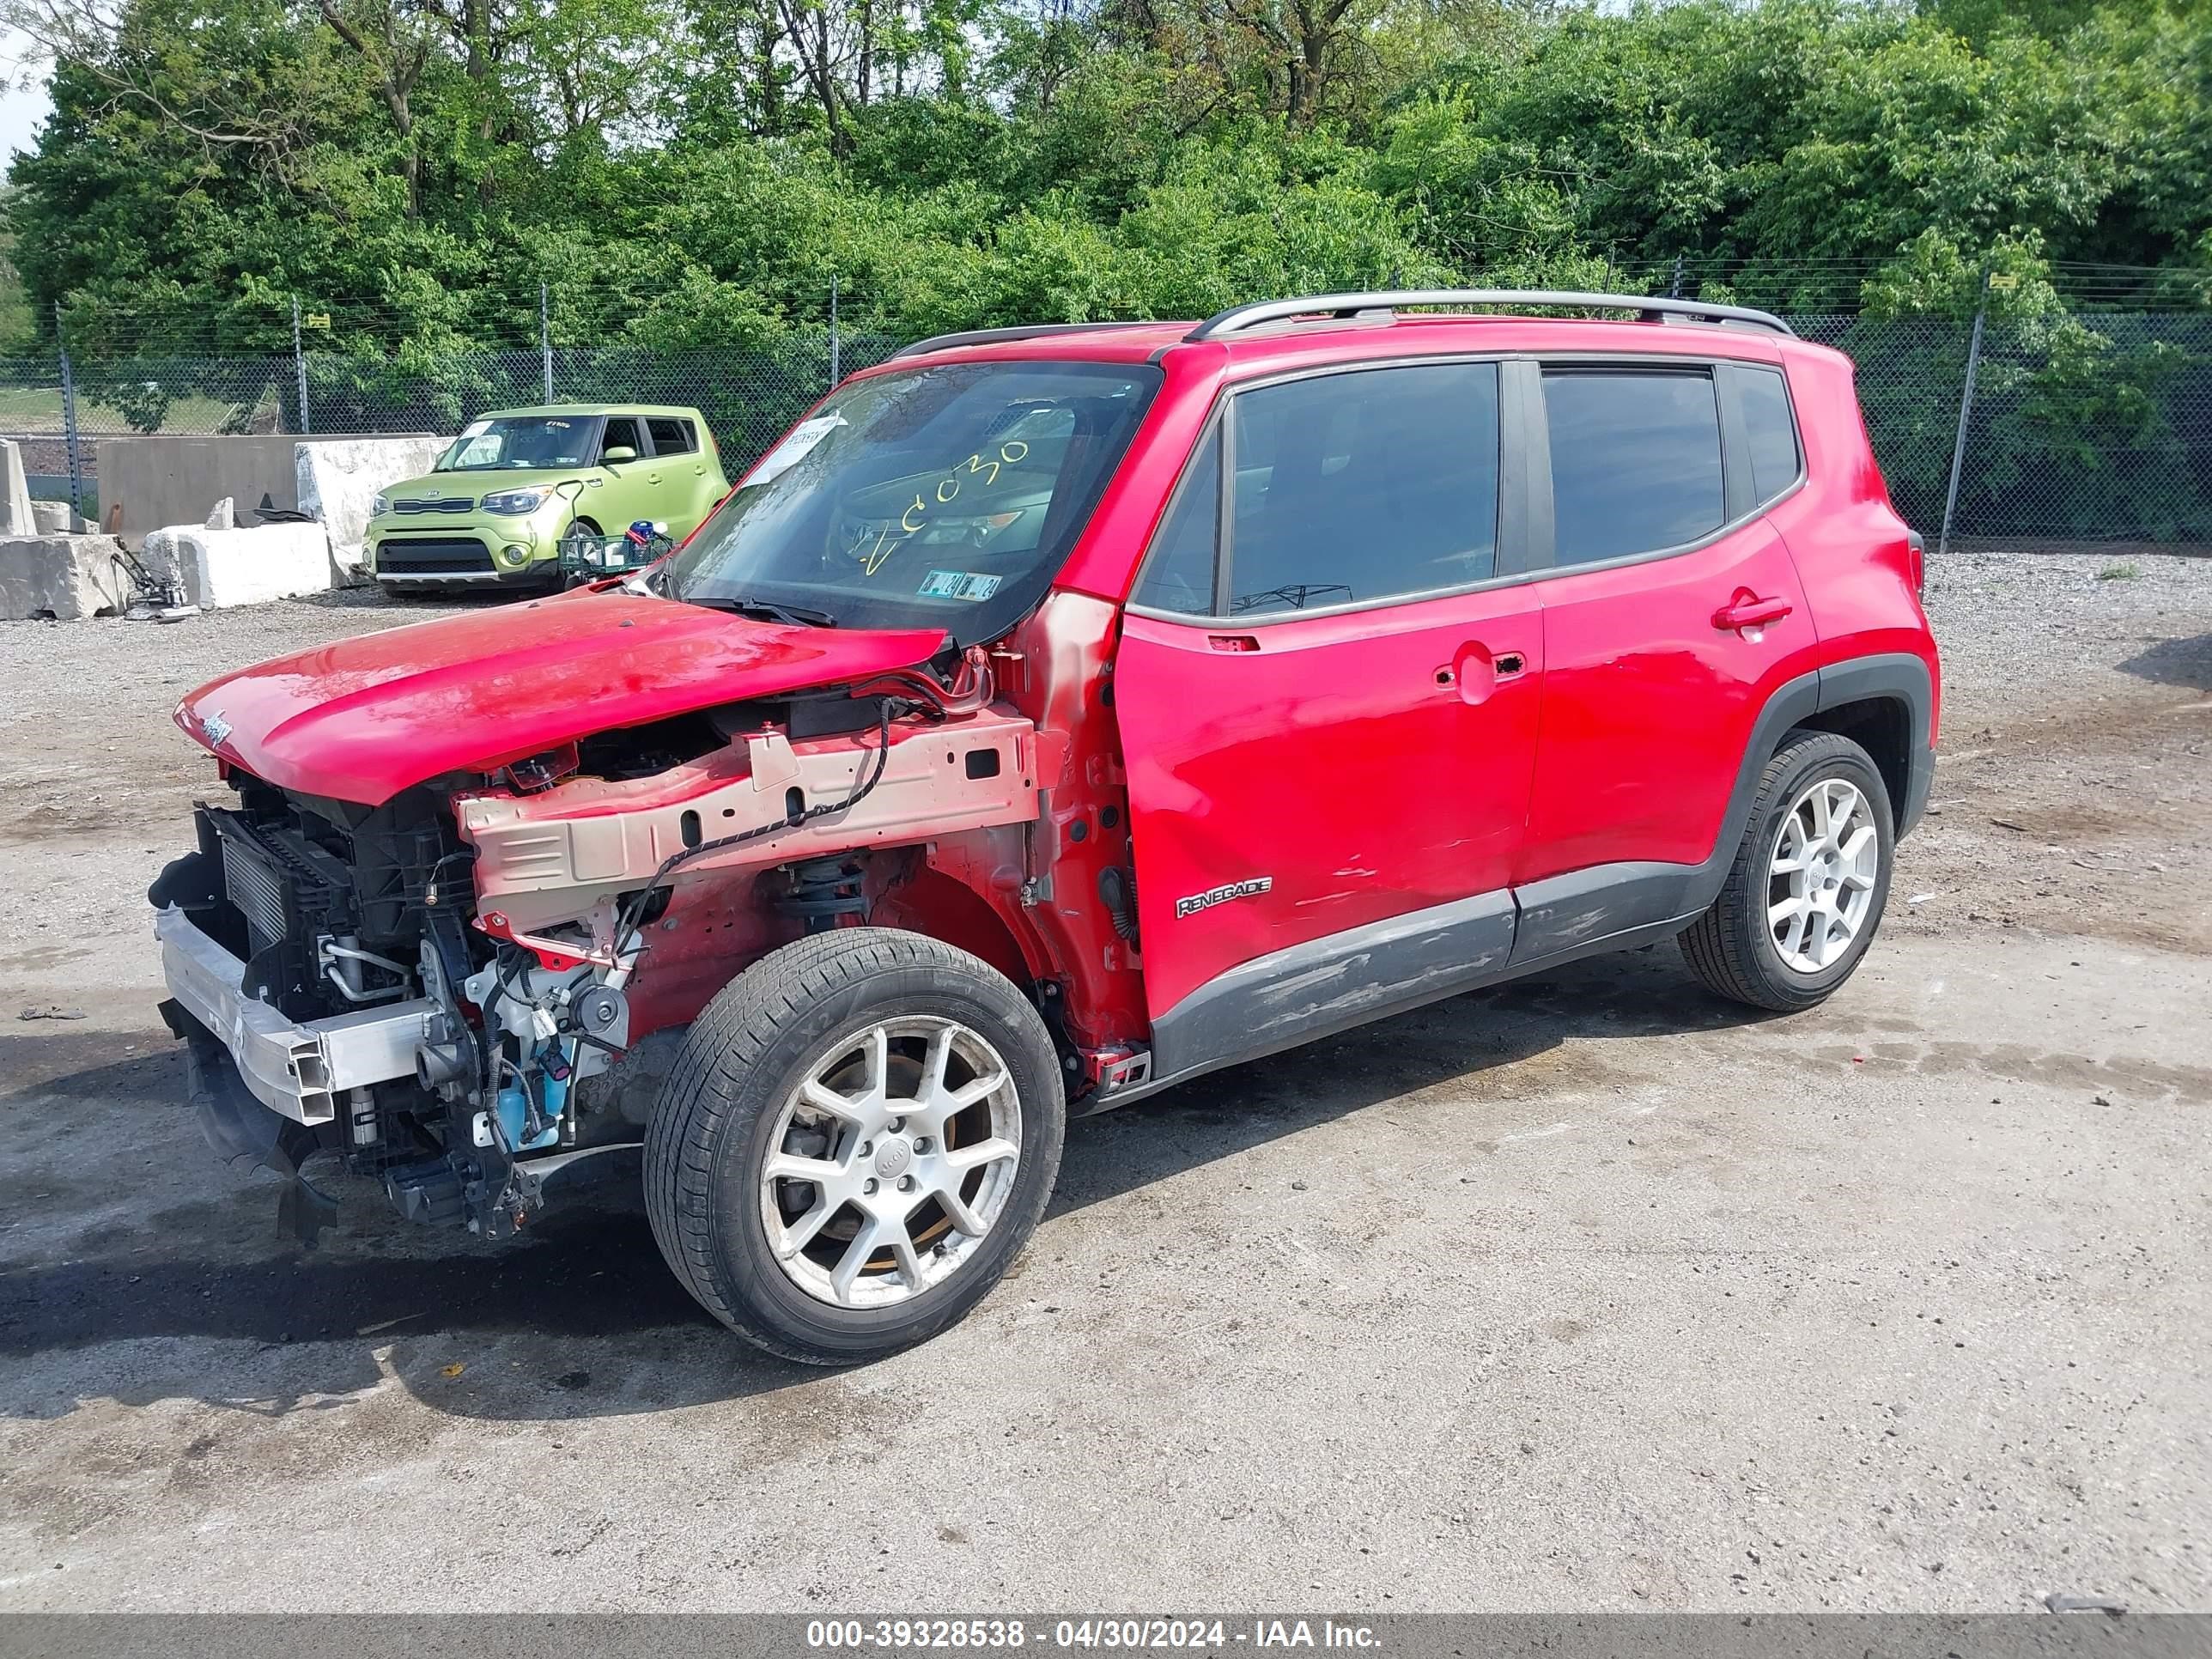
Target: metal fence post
x,y
545,337
1965,414
1675,291
300,369
833,375
69,418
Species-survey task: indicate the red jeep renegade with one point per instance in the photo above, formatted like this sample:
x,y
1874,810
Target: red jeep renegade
x,y
1054,715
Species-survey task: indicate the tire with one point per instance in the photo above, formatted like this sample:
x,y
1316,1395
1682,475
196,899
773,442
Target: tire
x,y
1734,947
805,1015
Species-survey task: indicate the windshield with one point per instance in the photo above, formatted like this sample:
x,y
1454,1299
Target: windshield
x,y
522,440
939,498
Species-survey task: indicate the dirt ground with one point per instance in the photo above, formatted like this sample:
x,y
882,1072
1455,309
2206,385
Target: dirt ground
x,y
1590,1292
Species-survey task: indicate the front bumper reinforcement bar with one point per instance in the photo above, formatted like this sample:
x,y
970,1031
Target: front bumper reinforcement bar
x,y
298,1071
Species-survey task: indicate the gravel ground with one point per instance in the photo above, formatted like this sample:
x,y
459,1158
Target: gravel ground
x,y
1584,1293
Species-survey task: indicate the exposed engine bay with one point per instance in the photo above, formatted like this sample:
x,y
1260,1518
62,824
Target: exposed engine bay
x,y
479,985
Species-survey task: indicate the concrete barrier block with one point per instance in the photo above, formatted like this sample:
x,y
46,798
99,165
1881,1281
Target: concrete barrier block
x,y
217,568
16,518
64,578
338,478
55,519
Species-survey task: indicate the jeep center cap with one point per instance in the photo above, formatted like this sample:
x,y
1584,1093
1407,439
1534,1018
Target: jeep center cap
x,y
892,1157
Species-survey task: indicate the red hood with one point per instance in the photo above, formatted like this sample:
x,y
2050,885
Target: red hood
x,y
364,719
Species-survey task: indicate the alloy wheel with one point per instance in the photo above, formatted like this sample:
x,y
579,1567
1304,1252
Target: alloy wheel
x,y
891,1161
1822,867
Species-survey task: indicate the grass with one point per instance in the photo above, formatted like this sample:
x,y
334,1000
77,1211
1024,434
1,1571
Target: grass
x,y
2126,571
26,411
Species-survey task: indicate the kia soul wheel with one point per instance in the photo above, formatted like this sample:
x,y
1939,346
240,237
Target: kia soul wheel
x,y
1806,893
861,1132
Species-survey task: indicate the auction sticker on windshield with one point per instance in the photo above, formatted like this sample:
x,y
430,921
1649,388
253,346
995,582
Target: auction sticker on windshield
x,y
957,585
793,449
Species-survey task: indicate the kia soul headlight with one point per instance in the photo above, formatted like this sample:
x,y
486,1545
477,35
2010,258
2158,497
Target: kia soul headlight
x,y
379,505
514,503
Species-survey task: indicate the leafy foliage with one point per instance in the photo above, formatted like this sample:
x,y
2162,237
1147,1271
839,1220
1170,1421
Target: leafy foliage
x,y
688,176
698,169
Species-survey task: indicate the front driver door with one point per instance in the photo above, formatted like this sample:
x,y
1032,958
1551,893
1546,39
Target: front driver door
x,y
628,494
1327,702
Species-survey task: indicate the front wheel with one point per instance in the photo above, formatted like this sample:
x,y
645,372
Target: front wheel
x,y
1806,893
861,1131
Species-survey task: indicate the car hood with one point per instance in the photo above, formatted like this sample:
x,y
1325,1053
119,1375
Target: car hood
x,y
366,718
475,486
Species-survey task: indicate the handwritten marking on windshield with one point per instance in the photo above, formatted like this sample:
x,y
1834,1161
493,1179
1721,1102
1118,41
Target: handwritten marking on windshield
x,y
873,556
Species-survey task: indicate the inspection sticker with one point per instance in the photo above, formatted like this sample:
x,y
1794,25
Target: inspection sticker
x,y
959,584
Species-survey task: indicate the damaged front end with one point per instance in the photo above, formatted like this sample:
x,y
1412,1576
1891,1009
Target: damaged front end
x,y
333,997
471,993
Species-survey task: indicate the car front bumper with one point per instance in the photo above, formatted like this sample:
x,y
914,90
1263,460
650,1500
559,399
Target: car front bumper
x,y
535,573
298,1071
463,553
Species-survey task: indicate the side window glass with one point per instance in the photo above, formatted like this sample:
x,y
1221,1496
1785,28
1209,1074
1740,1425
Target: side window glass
x,y
622,433
1774,459
1179,570
1636,461
1365,486
671,436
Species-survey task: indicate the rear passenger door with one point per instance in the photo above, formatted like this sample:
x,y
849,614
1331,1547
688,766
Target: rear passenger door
x,y
678,475
1330,727
1673,613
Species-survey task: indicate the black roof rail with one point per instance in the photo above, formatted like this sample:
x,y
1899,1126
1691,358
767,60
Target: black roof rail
x,y
993,336
1344,307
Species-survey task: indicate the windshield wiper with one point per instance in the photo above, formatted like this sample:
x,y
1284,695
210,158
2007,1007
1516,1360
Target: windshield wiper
x,y
769,610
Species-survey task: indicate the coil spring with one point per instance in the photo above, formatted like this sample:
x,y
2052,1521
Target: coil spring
x,y
822,891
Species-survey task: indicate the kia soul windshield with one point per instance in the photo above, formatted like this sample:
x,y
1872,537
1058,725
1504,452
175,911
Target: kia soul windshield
x,y
535,441
945,498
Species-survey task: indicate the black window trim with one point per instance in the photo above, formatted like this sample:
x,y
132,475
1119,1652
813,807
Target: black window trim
x,y
1511,512
1524,474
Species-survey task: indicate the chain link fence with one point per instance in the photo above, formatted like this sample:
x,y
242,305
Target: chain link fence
x,y
2081,427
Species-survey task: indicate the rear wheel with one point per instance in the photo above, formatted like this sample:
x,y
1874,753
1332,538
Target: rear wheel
x,y
862,1130
1806,893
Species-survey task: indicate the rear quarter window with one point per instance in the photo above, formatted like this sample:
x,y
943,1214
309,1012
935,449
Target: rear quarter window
x,y
1769,431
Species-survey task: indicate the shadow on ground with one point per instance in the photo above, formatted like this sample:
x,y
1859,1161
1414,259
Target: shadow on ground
x,y
584,1318
2185,662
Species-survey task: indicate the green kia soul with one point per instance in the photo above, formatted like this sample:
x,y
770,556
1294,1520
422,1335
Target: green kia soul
x,y
516,482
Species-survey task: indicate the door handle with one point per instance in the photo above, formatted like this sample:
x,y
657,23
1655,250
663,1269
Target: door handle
x,y
1233,642
1476,673
1747,609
